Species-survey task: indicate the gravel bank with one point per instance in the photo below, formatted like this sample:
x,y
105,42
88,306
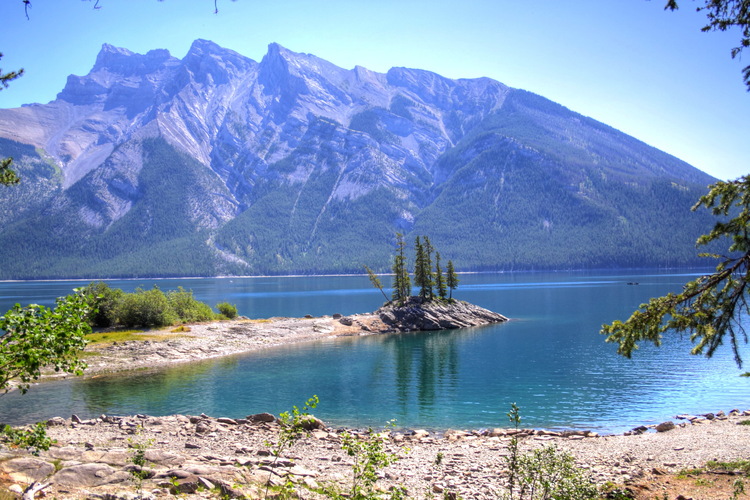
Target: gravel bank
x,y
93,458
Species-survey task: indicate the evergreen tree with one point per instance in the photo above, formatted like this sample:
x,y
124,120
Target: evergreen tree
x,y
710,308
429,277
420,269
451,278
375,281
8,176
401,279
439,279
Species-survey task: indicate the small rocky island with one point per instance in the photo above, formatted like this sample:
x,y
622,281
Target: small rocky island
x,y
418,314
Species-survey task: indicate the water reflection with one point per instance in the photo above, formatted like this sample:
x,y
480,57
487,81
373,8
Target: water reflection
x,y
149,389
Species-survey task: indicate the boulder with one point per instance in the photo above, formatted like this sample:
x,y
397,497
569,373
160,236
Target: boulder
x,y
311,423
26,470
55,421
89,475
665,426
261,417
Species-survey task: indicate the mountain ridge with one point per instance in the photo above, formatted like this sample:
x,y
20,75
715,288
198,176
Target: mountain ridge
x,y
300,166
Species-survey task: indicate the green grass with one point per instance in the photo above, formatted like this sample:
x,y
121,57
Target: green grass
x,y
116,336
736,465
104,339
685,473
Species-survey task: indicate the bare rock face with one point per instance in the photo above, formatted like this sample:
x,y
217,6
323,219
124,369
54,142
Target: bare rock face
x,y
362,154
417,314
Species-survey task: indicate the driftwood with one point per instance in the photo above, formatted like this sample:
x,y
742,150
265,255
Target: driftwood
x,y
34,488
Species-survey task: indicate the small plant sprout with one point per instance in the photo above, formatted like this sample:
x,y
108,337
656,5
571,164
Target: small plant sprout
x,y
138,459
294,425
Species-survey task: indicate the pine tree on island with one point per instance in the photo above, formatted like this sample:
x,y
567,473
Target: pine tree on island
x,y
433,284
430,281
451,279
401,279
429,309
439,279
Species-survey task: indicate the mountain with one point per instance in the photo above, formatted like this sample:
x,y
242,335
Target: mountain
x,y
217,164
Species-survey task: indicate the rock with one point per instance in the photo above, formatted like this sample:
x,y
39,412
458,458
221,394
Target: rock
x,y
224,420
185,485
346,321
665,426
163,457
710,416
89,475
337,316
454,435
26,470
261,417
416,314
75,419
311,423
301,471
202,427
56,421
207,484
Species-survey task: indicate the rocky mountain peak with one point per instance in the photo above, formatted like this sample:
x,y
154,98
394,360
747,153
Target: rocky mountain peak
x,y
206,59
126,63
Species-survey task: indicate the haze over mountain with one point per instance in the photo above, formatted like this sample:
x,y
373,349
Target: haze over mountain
x,y
217,164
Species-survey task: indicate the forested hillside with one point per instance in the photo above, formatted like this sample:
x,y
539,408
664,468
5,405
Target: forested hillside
x,y
217,164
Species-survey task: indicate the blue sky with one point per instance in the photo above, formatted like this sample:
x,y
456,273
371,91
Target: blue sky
x,y
628,63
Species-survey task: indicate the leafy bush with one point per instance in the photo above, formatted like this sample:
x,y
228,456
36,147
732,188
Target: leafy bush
x,y
227,310
34,439
36,336
548,473
545,473
106,301
146,308
370,456
187,308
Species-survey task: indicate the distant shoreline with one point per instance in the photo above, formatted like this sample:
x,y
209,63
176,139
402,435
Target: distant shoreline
x,y
515,271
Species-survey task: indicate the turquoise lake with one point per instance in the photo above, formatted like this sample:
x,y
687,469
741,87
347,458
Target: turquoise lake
x,y
550,360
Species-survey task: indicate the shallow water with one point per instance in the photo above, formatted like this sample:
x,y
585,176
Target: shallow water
x,y
550,360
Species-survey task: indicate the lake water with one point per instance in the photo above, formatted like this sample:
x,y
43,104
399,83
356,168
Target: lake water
x,y
550,360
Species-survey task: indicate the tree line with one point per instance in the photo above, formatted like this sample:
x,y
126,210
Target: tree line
x,y
431,280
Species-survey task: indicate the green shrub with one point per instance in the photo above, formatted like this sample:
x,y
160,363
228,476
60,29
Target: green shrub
x,y
227,310
548,473
34,439
106,301
187,308
148,308
545,473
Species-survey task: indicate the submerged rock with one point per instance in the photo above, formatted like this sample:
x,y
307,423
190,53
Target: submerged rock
x,y
418,314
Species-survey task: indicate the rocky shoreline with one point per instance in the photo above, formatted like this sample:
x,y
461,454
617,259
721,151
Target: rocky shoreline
x,y
207,457
225,338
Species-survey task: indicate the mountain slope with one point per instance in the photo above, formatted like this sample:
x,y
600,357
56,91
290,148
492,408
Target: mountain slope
x,y
217,164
